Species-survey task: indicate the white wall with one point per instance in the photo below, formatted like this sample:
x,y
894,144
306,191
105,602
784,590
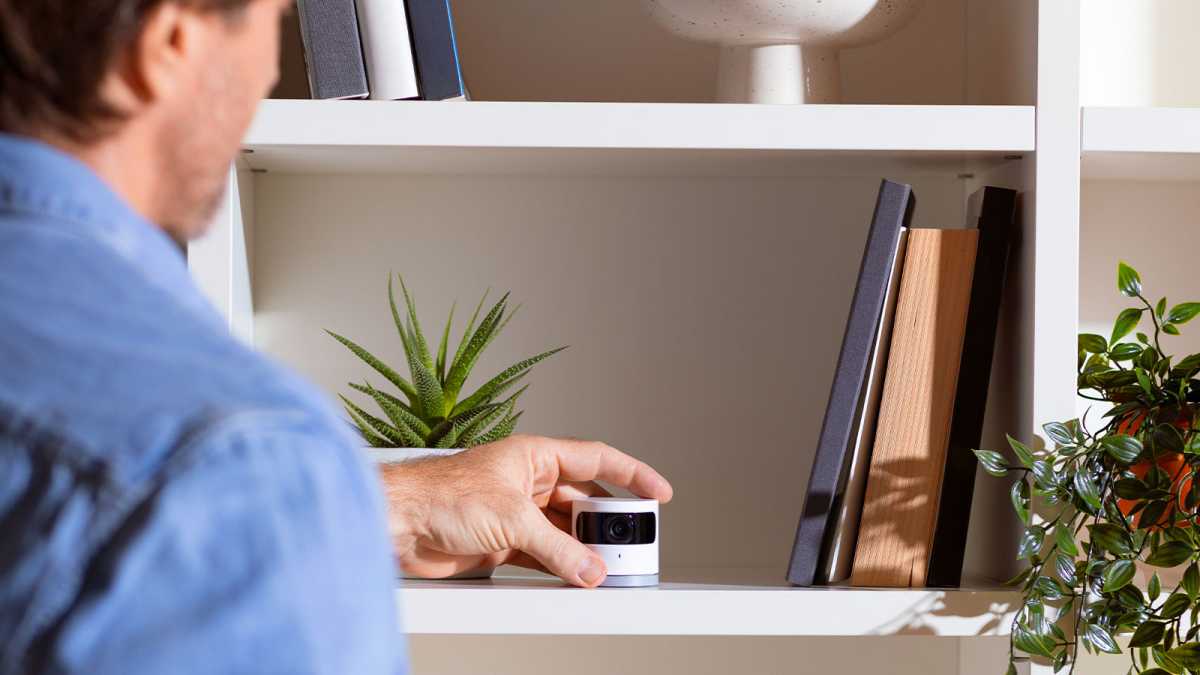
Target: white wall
x,y
704,315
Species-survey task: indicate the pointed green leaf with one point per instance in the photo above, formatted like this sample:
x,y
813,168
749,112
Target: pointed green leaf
x,y
1126,351
1187,655
441,356
1117,575
1092,344
429,389
1170,329
401,418
1147,634
373,439
1101,639
379,366
1122,447
501,430
992,462
1126,321
463,364
493,414
1059,433
399,321
1028,641
1191,581
366,389
1087,490
1160,309
1184,312
466,336
1128,281
415,335
1065,540
1163,659
1144,380
1170,554
489,390
1030,543
1064,565
1020,500
400,438
1175,605
1154,588
1024,454
1111,538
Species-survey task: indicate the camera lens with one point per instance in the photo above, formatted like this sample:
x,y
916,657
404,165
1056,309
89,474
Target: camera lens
x,y
621,529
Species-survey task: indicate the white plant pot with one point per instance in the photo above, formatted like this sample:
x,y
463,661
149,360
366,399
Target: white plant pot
x,y
399,455
782,51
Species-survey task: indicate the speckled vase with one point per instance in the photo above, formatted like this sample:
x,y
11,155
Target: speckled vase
x,y
782,51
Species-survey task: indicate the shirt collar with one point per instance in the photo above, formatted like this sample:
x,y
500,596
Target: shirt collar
x,y
39,180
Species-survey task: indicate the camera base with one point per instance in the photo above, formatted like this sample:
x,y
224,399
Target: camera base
x,y
629,580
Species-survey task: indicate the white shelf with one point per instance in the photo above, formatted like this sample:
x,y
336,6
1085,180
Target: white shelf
x,y
698,602
627,138
1151,144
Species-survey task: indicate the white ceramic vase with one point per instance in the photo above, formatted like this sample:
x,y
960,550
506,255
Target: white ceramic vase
x,y
395,455
782,51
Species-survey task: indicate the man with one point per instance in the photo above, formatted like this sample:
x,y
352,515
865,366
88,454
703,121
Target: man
x,y
171,502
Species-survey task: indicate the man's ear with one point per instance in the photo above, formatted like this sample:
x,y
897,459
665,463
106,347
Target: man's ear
x,y
159,62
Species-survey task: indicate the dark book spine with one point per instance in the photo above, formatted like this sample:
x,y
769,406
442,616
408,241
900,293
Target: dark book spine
x,y
332,49
893,208
996,224
432,26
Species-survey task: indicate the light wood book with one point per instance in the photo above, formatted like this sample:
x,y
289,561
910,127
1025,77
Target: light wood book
x,y
913,429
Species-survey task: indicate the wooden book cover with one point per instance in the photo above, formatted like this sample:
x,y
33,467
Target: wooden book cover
x,y
913,429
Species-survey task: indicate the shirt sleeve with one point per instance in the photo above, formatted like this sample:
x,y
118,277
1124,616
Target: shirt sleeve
x,y
263,549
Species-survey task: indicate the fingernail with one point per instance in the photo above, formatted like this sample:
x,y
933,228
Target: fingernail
x,y
592,571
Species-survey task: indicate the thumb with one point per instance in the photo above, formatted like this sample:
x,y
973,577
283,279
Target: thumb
x,y
559,552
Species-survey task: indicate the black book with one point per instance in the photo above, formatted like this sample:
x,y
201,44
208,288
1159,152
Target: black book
x,y
996,208
843,415
439,76
332,49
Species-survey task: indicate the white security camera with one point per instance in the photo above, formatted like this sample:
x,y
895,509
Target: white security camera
x,y
625,534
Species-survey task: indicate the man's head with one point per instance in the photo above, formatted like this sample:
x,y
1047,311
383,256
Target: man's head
x,y
153,94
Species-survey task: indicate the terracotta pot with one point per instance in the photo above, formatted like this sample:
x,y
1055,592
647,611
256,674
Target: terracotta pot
x,y
1173,464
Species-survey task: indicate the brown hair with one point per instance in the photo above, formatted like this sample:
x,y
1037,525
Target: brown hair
x,y
54,54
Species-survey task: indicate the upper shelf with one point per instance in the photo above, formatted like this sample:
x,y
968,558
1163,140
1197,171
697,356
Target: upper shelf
x,y
1153,144
628,138
699,602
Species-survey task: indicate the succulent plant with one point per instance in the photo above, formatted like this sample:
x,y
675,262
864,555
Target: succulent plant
x,y
431,414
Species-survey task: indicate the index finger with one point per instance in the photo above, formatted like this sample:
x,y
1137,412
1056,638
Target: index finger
x,y
591,460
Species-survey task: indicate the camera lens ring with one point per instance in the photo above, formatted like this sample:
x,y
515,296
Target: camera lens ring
x,y
621,529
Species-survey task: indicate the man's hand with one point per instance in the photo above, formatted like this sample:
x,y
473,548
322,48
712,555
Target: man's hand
x,y
507,502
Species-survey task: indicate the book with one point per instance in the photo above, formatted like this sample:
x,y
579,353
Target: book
x,y
333,54
994,209
387,50
912,432
843,414
439,74
837,551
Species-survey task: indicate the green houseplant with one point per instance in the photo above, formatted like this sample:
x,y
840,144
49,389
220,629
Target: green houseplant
x,y
429,410
1099,504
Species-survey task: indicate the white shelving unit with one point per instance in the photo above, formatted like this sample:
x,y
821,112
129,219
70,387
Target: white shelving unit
x,y
621,196
1143,144
699,602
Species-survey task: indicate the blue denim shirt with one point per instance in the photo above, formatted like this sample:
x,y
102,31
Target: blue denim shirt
x,y
170,501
